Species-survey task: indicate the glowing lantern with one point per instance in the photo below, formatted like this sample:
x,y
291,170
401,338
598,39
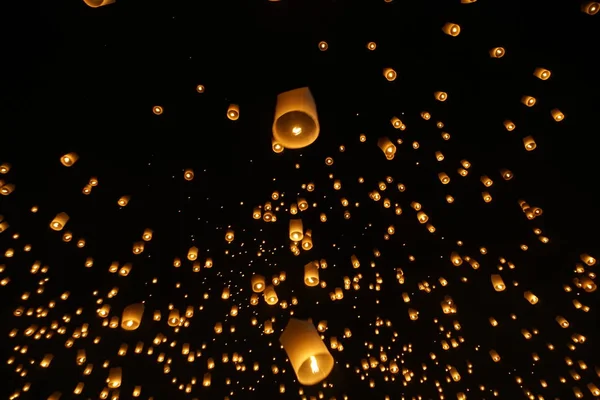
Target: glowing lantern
x,y
451,29
441,96
132,316
307,353
498,283
276,146
114,377
497,52
311,274
98,3
174,317
296,124
270,295
296,230
188,174
69,159
529,143
590,7
542,73
233,112
530,297
192,253
59,222
589,260
557,115
390,74
388,148
529,101
258,283
123,201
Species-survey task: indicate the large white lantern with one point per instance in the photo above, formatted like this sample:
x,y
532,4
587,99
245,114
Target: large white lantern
x,y
307,353
296,123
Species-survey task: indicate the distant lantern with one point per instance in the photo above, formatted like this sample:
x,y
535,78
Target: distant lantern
x,y
529,143
311,274
98,3
276,146
233,112
200,89
258,283
390,74
557,115
498,283
451,29
192,253
188,174
371,46
69,159
509,125
590,7
157,110
307,353
529,101
132,316
441,96
123,201
270,295
114,378
173,317
497,52
59,222
542,73
388,148
296,230
296,124
323,46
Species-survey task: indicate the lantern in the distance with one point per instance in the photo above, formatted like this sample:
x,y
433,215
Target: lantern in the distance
x,y
98,3
296,124
307,353
132,316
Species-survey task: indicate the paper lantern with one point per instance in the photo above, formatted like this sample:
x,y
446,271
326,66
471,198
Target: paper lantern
x,y
497,52
296,230
59,222
390,74
233,112
307,353
98,3
296,124
69,159
311,274
258,283
132,316
114,377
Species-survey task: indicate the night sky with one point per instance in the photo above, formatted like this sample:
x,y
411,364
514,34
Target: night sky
x,y
88,83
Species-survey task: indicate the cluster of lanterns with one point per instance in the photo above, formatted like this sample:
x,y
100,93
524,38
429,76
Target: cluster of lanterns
x,y
306,346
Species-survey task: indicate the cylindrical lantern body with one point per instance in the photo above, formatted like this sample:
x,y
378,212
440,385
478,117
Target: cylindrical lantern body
x,y
296,230
307,353
98,3
258,283
270,295
311,273
59,222
132,316
296,124
114,377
